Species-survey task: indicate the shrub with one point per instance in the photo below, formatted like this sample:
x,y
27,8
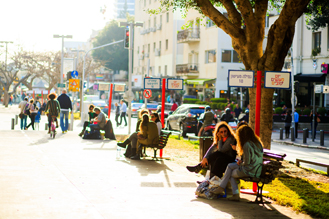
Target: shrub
x,y
190,100
278,110
218,100
306,112
222,106
202,102
322,111
298,111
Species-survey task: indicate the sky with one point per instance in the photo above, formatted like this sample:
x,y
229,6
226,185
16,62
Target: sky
x,y
31,24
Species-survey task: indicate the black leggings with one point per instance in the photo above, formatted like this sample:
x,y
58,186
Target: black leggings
x,y
50,119
287,128
218,162
32,117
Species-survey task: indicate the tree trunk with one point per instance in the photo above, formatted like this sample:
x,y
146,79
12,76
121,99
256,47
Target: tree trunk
x,y
5,98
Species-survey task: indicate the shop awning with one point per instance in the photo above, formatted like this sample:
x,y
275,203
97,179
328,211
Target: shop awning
x,y
310,77
199,81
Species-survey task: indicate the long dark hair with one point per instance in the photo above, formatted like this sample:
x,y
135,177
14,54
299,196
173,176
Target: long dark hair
x,y
156,116
220,125
245,134
52,96
145,121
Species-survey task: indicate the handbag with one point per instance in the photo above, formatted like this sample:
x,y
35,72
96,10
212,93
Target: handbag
x,y
21,115
318,119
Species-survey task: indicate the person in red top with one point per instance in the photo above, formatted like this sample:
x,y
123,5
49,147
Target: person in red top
x,y
174,107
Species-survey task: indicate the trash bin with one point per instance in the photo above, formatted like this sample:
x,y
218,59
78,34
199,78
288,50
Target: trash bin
x,y
205,143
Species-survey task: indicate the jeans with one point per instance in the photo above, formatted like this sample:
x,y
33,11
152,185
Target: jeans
x,y
65,114
23,122
231,174
94,127
123,115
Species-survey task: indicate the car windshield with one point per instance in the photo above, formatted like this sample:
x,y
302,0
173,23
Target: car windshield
x,y
136,105
152,106
196,111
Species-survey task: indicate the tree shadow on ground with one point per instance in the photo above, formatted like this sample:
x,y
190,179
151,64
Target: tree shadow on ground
x,y
242,209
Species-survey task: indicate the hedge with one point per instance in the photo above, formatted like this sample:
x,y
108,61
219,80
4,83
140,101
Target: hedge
x,y
218,100
306,112
322,111
190,100
278,110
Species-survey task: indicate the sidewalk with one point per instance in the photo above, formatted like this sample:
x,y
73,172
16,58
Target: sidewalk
x,y
68,177
299,141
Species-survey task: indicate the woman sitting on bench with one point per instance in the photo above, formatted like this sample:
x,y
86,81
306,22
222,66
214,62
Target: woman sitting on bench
x,y
91,115
221,153
250,148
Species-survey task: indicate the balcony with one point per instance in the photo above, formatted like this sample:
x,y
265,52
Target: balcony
x,y
158,26
190,69
188,35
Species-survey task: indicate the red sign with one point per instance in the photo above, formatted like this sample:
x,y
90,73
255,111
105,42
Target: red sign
x,y
147,93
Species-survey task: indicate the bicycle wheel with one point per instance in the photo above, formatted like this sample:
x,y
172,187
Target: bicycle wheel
x,y
54,133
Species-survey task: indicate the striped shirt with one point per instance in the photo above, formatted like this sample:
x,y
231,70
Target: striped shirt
x,y
53,108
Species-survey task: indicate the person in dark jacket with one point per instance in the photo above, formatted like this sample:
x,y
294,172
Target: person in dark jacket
x,y
207,118
66,105
287,123
244,117
221,153
227,116
117,113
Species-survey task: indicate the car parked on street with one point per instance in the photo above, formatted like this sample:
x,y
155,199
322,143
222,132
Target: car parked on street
x,y
150,106
185,118
167,110
134,109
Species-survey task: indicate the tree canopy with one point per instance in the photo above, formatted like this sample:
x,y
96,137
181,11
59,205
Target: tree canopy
x,y
115,56
318,14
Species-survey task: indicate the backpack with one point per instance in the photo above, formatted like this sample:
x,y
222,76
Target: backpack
x,y
92,135
27,110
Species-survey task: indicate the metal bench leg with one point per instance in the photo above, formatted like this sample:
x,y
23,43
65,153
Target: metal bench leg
x,y
259,196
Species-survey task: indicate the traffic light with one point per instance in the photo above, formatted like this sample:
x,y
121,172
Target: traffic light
x,y
126,39
68,75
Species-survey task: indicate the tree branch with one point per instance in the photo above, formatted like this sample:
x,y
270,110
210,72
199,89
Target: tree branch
x,y
232,12
246,10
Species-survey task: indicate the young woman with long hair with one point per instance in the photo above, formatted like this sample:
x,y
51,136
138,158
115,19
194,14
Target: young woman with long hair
x,y
221,153
155,118
91,115
250,148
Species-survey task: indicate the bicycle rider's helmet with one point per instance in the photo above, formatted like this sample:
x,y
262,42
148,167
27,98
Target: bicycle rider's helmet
x,y
207,108
228,111
246,111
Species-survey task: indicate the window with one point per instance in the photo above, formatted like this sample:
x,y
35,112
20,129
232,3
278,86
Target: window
x,y
317,40
154,45
159,45
167,44
210,23
144,3
230,56
160,19
211,56
159,70
267,21
167,17
148,48
165,73
155,22
149,23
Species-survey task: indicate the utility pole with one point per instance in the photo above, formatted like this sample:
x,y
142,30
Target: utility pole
x,y
292,95
6,42
130,66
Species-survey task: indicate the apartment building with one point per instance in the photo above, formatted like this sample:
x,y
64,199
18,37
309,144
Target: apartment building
x,y
307,66
156,42
121,7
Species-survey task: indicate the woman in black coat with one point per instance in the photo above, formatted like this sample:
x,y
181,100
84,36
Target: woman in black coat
x,y
287,123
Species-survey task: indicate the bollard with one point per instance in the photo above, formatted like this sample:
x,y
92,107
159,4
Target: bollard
x,y
281,134
46,126
16,119
321,138
305,131
12,124
292,132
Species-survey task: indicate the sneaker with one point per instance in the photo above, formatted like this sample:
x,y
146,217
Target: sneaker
x,y
235,197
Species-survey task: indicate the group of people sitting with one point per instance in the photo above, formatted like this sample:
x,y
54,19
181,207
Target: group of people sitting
x,y
221,157
147,132
96,121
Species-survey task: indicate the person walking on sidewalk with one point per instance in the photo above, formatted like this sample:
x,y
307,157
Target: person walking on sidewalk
x,y
52,110
33,112
22,116
117,113
123,110
66,105
296,118
287,123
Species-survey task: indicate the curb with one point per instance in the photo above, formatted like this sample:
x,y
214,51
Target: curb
x,y
300,145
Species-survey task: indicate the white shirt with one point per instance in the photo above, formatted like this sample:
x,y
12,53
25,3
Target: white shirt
x,y
159,127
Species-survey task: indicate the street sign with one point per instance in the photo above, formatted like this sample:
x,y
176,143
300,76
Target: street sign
x,y
104,87
175,84
119,87
147,93
74,85
152,83
240,78
74,74
277,79
60,85
318,89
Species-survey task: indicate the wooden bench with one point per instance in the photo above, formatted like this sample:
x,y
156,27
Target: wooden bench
x,y
163,140
298,161
270,169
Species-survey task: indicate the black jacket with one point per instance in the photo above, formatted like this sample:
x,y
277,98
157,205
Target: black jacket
x,y
64,102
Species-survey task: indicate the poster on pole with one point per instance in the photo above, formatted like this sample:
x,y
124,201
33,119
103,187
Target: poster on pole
x,y
277,79
175,84
68,65
152,83
240,78
119,87
103,87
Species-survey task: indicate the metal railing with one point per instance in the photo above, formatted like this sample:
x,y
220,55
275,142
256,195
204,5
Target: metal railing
x,y
187,68
191,33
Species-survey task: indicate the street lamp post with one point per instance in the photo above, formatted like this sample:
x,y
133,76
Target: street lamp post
x,y
130,66
62,58
83,74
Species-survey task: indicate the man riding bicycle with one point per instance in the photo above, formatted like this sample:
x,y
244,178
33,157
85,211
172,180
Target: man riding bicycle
x,y
52,110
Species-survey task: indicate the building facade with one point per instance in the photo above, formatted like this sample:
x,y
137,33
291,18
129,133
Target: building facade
x,y
121,7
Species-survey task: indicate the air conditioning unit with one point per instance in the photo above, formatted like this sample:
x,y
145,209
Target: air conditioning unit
x,y
153,29
146,55
157,52
158,26
141,57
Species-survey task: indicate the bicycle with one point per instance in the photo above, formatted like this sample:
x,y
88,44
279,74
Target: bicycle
x,y
52,127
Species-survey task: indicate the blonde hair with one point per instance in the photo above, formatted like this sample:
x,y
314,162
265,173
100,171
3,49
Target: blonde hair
x,y
245,134
219,126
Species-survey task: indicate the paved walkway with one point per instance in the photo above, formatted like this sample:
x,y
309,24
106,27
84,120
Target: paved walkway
x,y
68,177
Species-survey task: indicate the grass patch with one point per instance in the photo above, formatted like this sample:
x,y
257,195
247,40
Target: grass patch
x,y
304,196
